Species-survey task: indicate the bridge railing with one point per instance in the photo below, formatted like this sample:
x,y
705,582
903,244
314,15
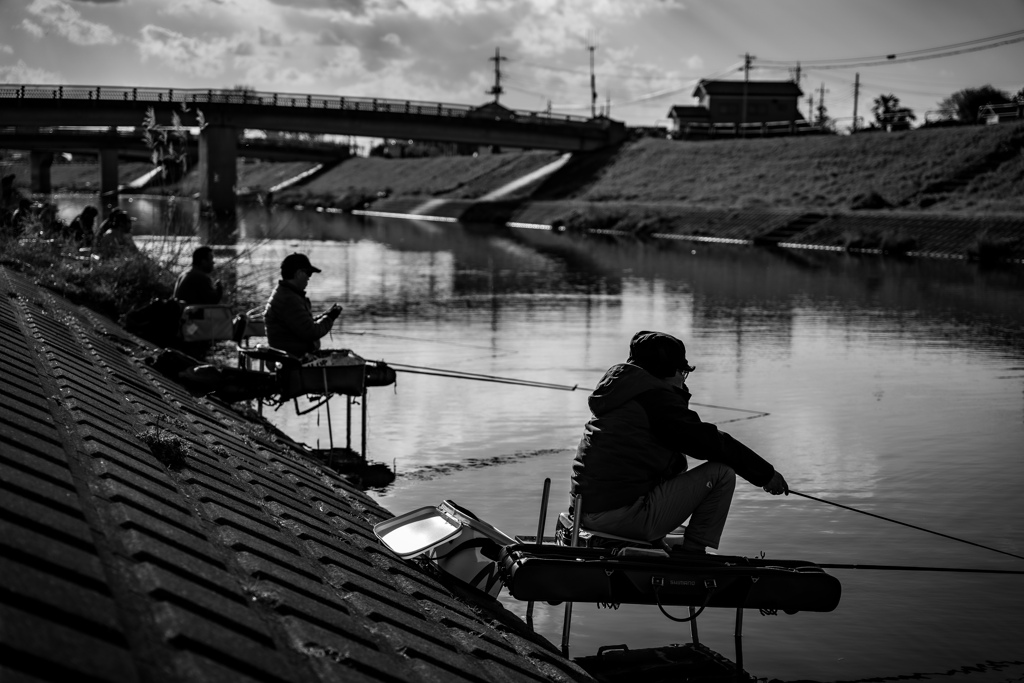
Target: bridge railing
x,y
249,97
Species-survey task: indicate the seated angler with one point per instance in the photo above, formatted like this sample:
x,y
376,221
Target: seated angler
x,y
631,464
196,285
288,315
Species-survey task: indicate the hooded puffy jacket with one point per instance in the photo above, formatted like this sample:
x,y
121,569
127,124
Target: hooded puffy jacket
x,y
290,323
641,431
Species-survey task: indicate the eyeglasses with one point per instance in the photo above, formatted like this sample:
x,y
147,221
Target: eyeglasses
x,y
686,373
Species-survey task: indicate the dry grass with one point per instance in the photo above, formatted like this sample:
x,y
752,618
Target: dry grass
x,y
818,173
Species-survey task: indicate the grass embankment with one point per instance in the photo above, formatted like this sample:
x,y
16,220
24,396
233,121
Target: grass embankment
x,y
825,173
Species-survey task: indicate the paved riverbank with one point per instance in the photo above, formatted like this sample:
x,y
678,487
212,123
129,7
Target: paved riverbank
x,y
152,535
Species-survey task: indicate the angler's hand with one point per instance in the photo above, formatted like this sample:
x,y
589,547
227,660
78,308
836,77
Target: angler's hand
x,y
334,312
777,485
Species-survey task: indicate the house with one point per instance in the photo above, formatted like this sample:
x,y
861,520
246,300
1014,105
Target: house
x,y
766,101
732,102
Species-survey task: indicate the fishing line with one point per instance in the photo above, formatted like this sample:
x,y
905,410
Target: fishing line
x,y
458,374
891,567
912,526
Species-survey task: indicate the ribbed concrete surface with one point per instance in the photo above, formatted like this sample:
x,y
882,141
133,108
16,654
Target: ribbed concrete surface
x,y
243,563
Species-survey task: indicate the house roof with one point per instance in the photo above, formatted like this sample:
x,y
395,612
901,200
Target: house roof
x,y
753,88
242,561
681,111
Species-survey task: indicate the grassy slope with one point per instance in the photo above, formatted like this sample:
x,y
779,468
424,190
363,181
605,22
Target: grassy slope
x,y
816,173
460,177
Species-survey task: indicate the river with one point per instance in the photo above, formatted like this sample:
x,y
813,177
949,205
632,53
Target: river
x,y
894,387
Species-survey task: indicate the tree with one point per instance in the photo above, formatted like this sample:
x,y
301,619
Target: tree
x,y
964,104
890,115
1019,97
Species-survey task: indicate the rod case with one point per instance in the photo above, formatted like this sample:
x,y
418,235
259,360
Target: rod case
x,y
642,576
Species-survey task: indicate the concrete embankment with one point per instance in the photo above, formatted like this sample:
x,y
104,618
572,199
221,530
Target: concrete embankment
x,y
148,534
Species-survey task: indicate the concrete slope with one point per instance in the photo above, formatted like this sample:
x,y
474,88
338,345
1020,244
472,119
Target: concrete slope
x,y
146,534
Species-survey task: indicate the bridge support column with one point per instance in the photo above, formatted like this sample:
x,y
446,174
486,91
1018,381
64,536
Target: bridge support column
x,y
218,154
39,169
108,181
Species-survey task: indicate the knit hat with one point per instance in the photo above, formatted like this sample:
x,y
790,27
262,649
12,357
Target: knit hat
x,y
658,353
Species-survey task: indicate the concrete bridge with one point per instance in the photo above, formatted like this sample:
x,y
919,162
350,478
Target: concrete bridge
x,y
221,115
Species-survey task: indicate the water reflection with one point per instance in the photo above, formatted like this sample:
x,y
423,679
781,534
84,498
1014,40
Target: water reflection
x,y
892,386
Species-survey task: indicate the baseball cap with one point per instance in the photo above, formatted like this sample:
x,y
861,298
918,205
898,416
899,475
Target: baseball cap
x,y
294,262
658,353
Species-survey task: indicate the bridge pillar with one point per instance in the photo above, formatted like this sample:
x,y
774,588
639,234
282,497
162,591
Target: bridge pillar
x,y
108,181
218,154
39,169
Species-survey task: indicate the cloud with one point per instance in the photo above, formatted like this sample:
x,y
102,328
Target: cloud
x,y
66,21
6,49
187,54
32,28
23,73
694,63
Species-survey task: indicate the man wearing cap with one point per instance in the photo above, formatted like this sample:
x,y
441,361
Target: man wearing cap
x,y
631,464
288,316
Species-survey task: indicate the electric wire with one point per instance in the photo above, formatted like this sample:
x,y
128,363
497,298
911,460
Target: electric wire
x,y
976,44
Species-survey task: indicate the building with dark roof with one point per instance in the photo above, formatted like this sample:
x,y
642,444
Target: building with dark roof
x,y
147,534
738,102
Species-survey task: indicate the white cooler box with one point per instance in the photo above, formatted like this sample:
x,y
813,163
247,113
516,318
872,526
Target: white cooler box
x,y
454,539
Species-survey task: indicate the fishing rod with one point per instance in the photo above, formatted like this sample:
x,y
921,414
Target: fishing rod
x,y
912,526
892,567
458,374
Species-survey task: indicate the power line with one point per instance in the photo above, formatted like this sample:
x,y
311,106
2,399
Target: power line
x,y
912,56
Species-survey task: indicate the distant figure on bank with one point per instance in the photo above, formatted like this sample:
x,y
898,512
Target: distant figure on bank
x,y
196,285
114,237
21,217
81,228
288,316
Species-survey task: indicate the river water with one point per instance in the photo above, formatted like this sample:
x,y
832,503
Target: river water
x,y
894,387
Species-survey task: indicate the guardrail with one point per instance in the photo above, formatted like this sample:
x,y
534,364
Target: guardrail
x,y
759,129
994,113
247,97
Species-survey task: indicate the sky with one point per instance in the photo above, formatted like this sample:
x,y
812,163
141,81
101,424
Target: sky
x,y
648,54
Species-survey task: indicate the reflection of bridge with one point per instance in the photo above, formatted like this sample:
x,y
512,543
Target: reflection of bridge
x,y
226,112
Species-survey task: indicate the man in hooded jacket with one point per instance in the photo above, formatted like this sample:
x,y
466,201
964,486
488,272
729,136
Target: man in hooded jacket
x,y
631,464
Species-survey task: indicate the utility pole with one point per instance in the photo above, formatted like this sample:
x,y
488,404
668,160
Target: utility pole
x,y
593,85
810,108
821,105
856,93
747,58
796,77
497,89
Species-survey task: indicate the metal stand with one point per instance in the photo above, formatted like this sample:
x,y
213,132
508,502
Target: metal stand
x,y
577,516
540,539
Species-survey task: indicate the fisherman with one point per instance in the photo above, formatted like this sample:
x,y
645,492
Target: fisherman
x,y
80,229
631,464
196,285
288,315
114,237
